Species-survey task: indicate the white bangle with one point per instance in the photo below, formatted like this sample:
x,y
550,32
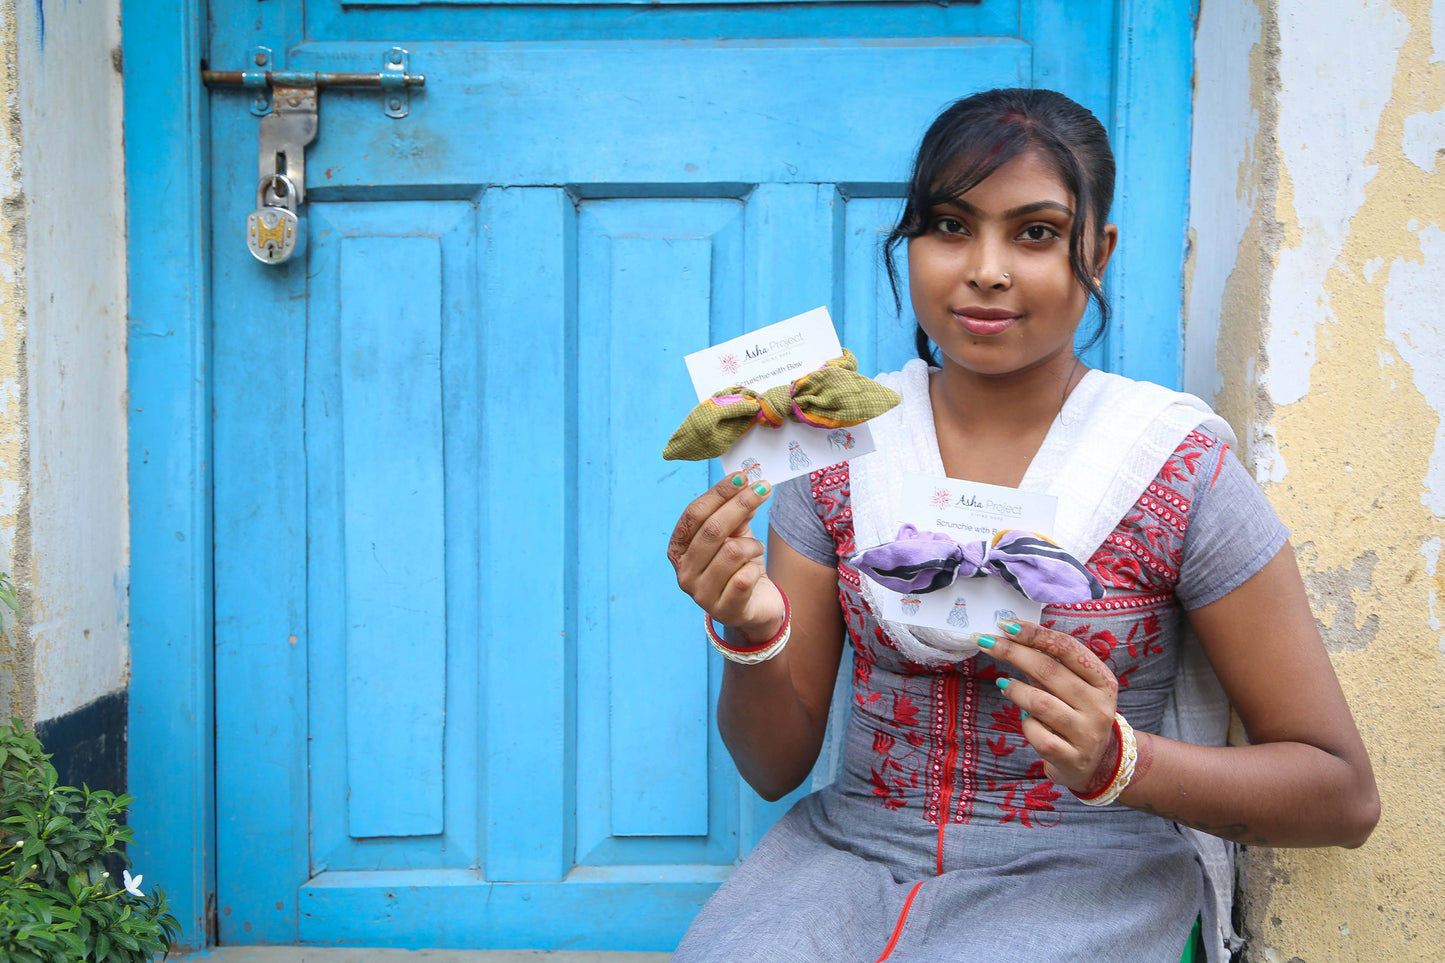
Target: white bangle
x,y
1123,769
753,654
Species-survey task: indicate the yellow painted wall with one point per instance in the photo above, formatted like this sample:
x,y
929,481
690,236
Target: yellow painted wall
x,y
1330,354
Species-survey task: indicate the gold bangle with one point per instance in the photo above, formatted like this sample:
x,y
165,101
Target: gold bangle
x,y
1123,769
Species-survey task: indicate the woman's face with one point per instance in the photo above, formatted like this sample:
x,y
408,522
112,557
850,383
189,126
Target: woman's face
x,y
990,279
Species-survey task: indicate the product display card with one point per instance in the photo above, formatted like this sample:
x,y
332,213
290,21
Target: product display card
x,y
967,512
762,359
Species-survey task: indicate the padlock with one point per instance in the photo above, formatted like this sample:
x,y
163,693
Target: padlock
x,y
272,229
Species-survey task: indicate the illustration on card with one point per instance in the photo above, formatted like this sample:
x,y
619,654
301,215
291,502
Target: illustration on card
x,y
958,615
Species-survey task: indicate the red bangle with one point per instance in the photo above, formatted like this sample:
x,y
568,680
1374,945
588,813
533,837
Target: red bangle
x,y
1118,763
752,654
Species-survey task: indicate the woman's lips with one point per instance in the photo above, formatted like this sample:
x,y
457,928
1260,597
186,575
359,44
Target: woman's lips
x,y
986,321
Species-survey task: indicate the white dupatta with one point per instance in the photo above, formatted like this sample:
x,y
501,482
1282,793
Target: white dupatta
x,y
1106,445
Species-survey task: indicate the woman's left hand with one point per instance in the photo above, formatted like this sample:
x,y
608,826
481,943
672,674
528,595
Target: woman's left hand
x,y
1068,698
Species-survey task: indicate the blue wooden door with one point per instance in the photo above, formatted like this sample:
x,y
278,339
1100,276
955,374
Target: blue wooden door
x,y
459,701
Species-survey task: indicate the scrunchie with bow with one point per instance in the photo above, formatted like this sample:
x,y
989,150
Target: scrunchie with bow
x,y
921,562
833,396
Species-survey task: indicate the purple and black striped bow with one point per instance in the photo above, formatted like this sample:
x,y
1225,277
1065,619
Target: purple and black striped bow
x,y
928,561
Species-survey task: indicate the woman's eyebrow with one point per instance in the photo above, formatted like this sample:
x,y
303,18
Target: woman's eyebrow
x,y
1026,209
1021,211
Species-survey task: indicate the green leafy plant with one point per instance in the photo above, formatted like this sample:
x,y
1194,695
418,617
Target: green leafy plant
x,y
10,599
58,898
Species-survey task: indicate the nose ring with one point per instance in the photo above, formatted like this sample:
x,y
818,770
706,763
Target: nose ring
x,y
1006,277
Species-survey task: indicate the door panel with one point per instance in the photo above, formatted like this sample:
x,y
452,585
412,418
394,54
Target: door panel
x,y
460,701
662,275
391,457
335,21
670,114
526,623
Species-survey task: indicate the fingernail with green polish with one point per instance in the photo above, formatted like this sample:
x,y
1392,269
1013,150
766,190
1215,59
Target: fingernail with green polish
x,y
1012,628
986,641
1025,715
761,489
1003,683
738,480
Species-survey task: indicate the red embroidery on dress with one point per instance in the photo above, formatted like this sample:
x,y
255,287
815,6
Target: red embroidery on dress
x,y
1168,495
905,713
894,774
890,713
1037,800
1143,638
967,754
1223,453
1141,642
1180,468
1144,553
1125,604
881,638
937,751
947,700
1102,643
944,739
1029,800
898,927
831,501
862,666
1162,512
1141,551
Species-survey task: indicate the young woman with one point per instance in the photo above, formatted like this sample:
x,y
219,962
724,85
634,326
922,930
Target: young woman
x,y
966,823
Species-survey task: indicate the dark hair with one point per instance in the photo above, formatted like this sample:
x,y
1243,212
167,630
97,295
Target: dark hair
x,y
976,136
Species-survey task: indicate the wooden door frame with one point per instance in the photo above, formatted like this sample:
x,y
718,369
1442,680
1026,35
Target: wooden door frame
x,y
170,733
171,725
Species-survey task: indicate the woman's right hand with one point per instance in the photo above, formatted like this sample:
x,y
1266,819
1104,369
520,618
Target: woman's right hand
x,y
720,563
771,715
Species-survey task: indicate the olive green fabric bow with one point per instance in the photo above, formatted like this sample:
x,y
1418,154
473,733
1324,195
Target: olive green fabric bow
x,y
833,396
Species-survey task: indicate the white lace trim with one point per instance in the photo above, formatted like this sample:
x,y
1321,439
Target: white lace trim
x,y
1107,444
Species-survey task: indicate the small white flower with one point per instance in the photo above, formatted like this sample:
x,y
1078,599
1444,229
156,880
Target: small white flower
x,y
132,883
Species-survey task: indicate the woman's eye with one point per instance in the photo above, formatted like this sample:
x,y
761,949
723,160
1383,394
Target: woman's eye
x,y
1039,232
948,225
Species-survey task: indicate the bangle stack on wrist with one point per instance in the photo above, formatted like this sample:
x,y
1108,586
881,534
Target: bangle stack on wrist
x,y
752,654
1123,766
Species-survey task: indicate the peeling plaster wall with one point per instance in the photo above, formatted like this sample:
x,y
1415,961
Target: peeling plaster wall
x,y
1226,138
75,285
63,512
1316,278
17,682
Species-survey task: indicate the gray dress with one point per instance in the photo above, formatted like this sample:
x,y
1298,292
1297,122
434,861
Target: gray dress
x,y
943,839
